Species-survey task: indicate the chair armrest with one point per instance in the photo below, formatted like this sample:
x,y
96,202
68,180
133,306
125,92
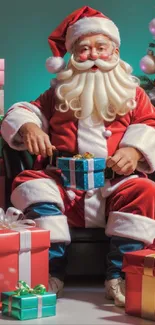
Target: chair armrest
x,y
15,161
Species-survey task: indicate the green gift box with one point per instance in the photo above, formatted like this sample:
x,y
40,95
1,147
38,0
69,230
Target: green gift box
x,y
28,306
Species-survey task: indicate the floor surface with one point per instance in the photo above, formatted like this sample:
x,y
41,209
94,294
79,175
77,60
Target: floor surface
x,y
84,305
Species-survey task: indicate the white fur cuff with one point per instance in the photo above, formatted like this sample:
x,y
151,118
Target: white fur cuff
x,y
34,191
132,226
58,226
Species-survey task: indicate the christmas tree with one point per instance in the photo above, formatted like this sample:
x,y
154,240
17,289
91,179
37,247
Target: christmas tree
x,y
147,65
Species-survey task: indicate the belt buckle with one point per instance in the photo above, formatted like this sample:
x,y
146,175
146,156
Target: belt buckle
x,y
109,173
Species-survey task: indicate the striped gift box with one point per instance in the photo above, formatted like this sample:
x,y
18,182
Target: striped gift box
x,y
82,174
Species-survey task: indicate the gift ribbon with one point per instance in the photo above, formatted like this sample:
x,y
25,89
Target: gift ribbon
x,y
86,155
148,288
24,289
72,168
14,219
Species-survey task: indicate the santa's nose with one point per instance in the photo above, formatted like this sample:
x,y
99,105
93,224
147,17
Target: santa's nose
x,y
93,55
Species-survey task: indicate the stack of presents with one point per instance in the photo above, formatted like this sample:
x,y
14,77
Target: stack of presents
x,y
24,271
24,249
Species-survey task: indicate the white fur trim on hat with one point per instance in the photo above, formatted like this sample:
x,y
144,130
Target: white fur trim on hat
x,y
97,25
55,64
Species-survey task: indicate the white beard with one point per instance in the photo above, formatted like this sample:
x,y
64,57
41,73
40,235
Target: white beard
x,y
99,94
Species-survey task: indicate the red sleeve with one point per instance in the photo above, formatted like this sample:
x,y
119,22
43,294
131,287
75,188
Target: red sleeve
x,y
145,111
46,103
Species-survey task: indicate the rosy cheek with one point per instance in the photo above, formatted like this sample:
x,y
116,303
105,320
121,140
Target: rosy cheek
x,y
104,56
83,57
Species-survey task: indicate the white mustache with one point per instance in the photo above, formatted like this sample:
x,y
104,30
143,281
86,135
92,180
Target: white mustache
x,y
104,66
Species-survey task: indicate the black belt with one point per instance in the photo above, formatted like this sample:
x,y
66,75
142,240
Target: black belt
x,y
108,172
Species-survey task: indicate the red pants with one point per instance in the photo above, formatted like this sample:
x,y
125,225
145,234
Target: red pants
x,y
129,210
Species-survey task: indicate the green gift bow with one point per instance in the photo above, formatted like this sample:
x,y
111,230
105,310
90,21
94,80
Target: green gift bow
x,y
24,289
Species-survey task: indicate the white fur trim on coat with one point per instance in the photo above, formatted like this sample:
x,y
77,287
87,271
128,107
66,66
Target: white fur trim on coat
x,y
34,191
109,188
16,117
132,226
141,137
94,209
87,25
58,226
92,139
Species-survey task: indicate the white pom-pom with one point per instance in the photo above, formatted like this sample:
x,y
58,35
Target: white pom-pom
x,y
90,193
55,64
71,195
107,133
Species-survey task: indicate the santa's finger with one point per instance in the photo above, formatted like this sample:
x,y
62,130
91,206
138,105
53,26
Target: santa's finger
x,y
42,147
35,147
120,164
126,170
111,161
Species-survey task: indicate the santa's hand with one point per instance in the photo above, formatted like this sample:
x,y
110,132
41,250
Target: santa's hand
x,y
124,161
37,142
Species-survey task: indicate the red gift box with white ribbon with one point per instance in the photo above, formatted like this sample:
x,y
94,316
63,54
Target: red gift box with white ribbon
x,y
23,253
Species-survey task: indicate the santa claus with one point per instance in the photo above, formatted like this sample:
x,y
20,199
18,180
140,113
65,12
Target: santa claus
x,y
94,105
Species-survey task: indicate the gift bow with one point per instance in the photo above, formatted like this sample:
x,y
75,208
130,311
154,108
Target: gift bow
x,y
14,218
24,289
86,155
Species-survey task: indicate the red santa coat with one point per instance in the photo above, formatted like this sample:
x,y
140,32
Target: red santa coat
x,y
135,129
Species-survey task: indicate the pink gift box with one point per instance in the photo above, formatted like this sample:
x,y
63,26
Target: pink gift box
x,y
1,102
2,64
1,78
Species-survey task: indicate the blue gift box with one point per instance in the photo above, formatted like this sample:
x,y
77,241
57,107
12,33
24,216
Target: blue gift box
x,y
82,174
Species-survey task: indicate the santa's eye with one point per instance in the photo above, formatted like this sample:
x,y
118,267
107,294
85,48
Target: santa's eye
x,y
84,49
102,48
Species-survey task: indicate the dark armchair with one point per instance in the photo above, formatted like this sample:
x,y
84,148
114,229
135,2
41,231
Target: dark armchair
x,y
88,250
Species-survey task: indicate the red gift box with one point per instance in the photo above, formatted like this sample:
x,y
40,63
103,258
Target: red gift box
x,y
23,256
139,267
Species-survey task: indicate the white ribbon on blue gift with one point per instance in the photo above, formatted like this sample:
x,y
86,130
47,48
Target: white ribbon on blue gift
x,y
73,173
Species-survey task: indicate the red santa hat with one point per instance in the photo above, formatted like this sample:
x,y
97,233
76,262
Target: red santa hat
x,y
79,23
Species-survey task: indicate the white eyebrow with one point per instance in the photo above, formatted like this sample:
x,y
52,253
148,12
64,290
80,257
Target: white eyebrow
x,y
84,43
101,41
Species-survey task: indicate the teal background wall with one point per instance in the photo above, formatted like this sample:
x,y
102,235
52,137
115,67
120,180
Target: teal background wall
x,y
26,24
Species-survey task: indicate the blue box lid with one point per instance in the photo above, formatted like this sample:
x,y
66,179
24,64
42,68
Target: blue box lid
x,y
85,165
